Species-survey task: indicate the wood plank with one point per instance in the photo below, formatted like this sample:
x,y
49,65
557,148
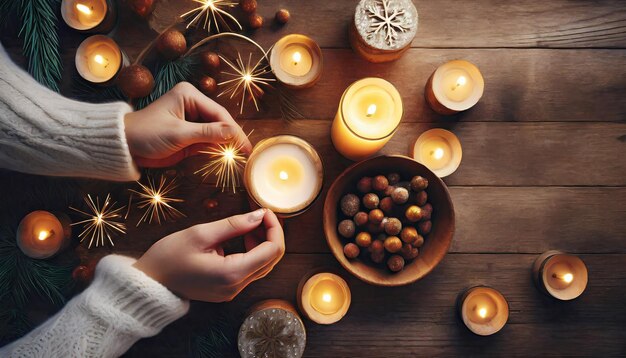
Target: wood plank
x,y
420,319
458,23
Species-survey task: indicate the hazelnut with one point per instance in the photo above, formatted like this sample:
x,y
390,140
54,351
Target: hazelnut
x,y
409,252
282,16
389,190
376,216
400,196
393,178
210,61
364,185
347,229
248,6
207,85
351,250
424,227
255,21
386,205
421,198
363,239
393,244
361,218
377,246
377,257
371,201
350,205
380,183
419,242
409,234
393,226
414,213
395,263
428,211
419,183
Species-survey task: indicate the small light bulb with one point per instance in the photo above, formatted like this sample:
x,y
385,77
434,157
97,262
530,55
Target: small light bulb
x,y
84,9
482,312
43,235
327,297
438,153
371,110
283,175
297,57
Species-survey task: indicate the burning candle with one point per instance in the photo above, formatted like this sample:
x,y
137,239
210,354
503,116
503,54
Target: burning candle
x,y
324,297
284,174
484,310
560,275
296,61
41,234
88,15
439,150
369,114
454,87
99,59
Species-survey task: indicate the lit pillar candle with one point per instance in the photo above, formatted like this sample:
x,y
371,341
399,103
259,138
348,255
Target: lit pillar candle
x,y
483,310
369,114
88,15
439,150
296,60
284,174
324,297
560,275
41,234
99,59
454,87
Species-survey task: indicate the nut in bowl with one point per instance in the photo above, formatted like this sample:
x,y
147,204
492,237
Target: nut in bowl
x,y
393,217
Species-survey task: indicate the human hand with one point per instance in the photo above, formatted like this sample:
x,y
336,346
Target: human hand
x,y
191,262
164,133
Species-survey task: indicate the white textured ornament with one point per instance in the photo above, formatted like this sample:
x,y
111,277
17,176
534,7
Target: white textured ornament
x,y
386,24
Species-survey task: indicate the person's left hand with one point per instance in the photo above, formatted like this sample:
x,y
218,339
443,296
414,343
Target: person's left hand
x,y
161,136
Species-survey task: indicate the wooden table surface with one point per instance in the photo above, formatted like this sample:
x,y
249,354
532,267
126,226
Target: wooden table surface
x,y
543,168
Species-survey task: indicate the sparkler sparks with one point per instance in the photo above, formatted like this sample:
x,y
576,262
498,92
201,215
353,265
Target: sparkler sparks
x,y
226,163
102,221
246,80
156,201
210,13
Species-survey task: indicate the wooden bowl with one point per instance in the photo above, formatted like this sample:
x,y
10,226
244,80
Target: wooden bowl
x,y
436,244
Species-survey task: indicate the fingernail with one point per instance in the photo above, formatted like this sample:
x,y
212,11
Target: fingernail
x,y
257,215
228,132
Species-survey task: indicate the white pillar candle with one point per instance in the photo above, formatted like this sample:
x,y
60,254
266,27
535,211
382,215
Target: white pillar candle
x,y
284,174
454,87
439,150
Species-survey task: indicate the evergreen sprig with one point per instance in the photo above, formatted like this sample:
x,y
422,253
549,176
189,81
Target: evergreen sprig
x,y
168,75
219,339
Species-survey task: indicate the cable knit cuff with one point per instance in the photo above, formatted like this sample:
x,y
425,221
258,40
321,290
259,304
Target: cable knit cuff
x,y
133,302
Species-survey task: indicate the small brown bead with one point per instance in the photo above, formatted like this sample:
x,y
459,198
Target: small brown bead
x,y
409,252
350,204
248,6
255,21
386,205
282,16
346,228
364,185
409,234
393,226
400,196
361,218
376,216
395,263
393,244
351,250
425,227
363,239
393,178
207,85
210,61
371,201
419,183
380,183
421,198
414,213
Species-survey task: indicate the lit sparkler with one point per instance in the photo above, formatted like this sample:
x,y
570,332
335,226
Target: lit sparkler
x,y
226,164
210,12
155,199
102,221
246,80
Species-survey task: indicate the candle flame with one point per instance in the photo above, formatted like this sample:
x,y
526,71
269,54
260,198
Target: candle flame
x,y
371,110
84,9
101,60
297,57
43,235
438,153
461,81
482,312
283,175
327,297
568,277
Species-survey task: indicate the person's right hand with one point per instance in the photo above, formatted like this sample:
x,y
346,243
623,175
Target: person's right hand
x,y
191,262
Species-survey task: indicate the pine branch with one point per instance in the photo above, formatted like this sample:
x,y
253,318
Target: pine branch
x,y
41,41
168,75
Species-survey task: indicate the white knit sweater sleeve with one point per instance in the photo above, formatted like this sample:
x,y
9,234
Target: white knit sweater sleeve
x,y
121,306
42,132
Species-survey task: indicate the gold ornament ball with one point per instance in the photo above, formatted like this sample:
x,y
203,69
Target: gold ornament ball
x,y
248,6
207,85
255,21
135,81
171,44
282,16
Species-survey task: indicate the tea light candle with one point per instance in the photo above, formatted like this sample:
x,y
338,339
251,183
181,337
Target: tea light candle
x,y
369,114
484,310
86,15
439,150
99,59
324,297
454,87
41,234
560,275
296,60
284,174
